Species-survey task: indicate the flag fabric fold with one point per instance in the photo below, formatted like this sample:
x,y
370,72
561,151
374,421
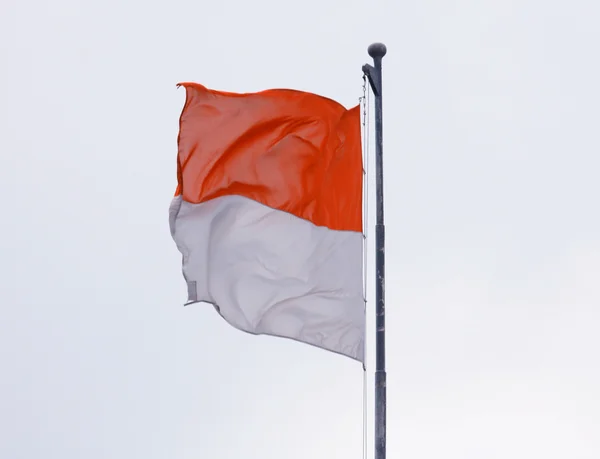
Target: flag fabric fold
x,y
268,214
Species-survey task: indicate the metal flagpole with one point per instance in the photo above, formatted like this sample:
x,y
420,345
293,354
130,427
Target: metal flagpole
x,y
377,51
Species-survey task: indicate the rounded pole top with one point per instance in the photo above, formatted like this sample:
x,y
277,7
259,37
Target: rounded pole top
x,y
377,50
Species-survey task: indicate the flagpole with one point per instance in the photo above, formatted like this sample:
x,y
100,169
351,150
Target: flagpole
x,y
377,51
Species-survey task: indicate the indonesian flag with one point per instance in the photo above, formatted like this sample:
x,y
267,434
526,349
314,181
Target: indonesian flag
x,y
268,214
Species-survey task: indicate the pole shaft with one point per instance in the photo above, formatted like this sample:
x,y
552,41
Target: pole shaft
x,y
380,373
377,51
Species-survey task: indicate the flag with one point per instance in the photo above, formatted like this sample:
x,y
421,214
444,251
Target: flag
x,y
268,214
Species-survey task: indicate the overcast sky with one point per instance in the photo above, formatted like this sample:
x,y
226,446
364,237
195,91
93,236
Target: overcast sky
x,y
493,232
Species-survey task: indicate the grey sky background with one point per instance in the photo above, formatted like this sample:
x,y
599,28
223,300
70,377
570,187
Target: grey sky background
x,y
493,224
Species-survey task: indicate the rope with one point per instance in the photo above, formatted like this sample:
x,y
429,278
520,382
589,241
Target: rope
x,y
365,100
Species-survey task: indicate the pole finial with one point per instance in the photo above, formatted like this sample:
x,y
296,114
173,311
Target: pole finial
x,y
377,50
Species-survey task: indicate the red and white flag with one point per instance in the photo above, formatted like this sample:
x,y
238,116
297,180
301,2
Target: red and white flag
x,y
268,214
